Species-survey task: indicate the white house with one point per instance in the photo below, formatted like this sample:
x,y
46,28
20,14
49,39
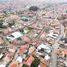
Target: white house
x,y
14,35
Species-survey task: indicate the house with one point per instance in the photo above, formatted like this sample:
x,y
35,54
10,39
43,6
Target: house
x,y
29,61
1,41
15,42
64,22
43,35
2,65
52,34
1,55
13,65
12,49
6,31
44,47
61,52
44,51
31,50
8,58
47,57
43,65
19,59
64,51
43,62
64,40
23,49
25,39
14,35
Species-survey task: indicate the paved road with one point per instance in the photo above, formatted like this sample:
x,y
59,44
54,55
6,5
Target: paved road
x,y
55,46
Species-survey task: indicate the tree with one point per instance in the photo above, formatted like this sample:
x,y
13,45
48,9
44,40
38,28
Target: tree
x,y
11,24
66,11
24,65
33,8
1,25
36,62
21,30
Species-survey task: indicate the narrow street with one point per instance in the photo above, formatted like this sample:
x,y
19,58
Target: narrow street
x,y
55,46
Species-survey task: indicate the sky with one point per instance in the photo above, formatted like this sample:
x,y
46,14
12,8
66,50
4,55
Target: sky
x,y
57,0
40,0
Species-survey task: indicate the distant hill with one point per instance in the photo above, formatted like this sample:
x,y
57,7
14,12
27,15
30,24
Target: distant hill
x,y
20,4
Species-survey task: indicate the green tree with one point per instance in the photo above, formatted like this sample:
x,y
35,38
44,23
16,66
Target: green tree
x,y
36,62
11,24
1,25
66,11
24,65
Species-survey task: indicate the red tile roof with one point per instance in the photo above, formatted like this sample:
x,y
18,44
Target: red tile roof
x,y
43,65
23,48
6,31
15,42
30,60
26,39
64,51
1,40
13,65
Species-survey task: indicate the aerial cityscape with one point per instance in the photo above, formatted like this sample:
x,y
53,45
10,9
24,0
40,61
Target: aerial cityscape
x,y
33,33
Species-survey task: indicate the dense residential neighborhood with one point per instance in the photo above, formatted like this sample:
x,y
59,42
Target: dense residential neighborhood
x,y
34,37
